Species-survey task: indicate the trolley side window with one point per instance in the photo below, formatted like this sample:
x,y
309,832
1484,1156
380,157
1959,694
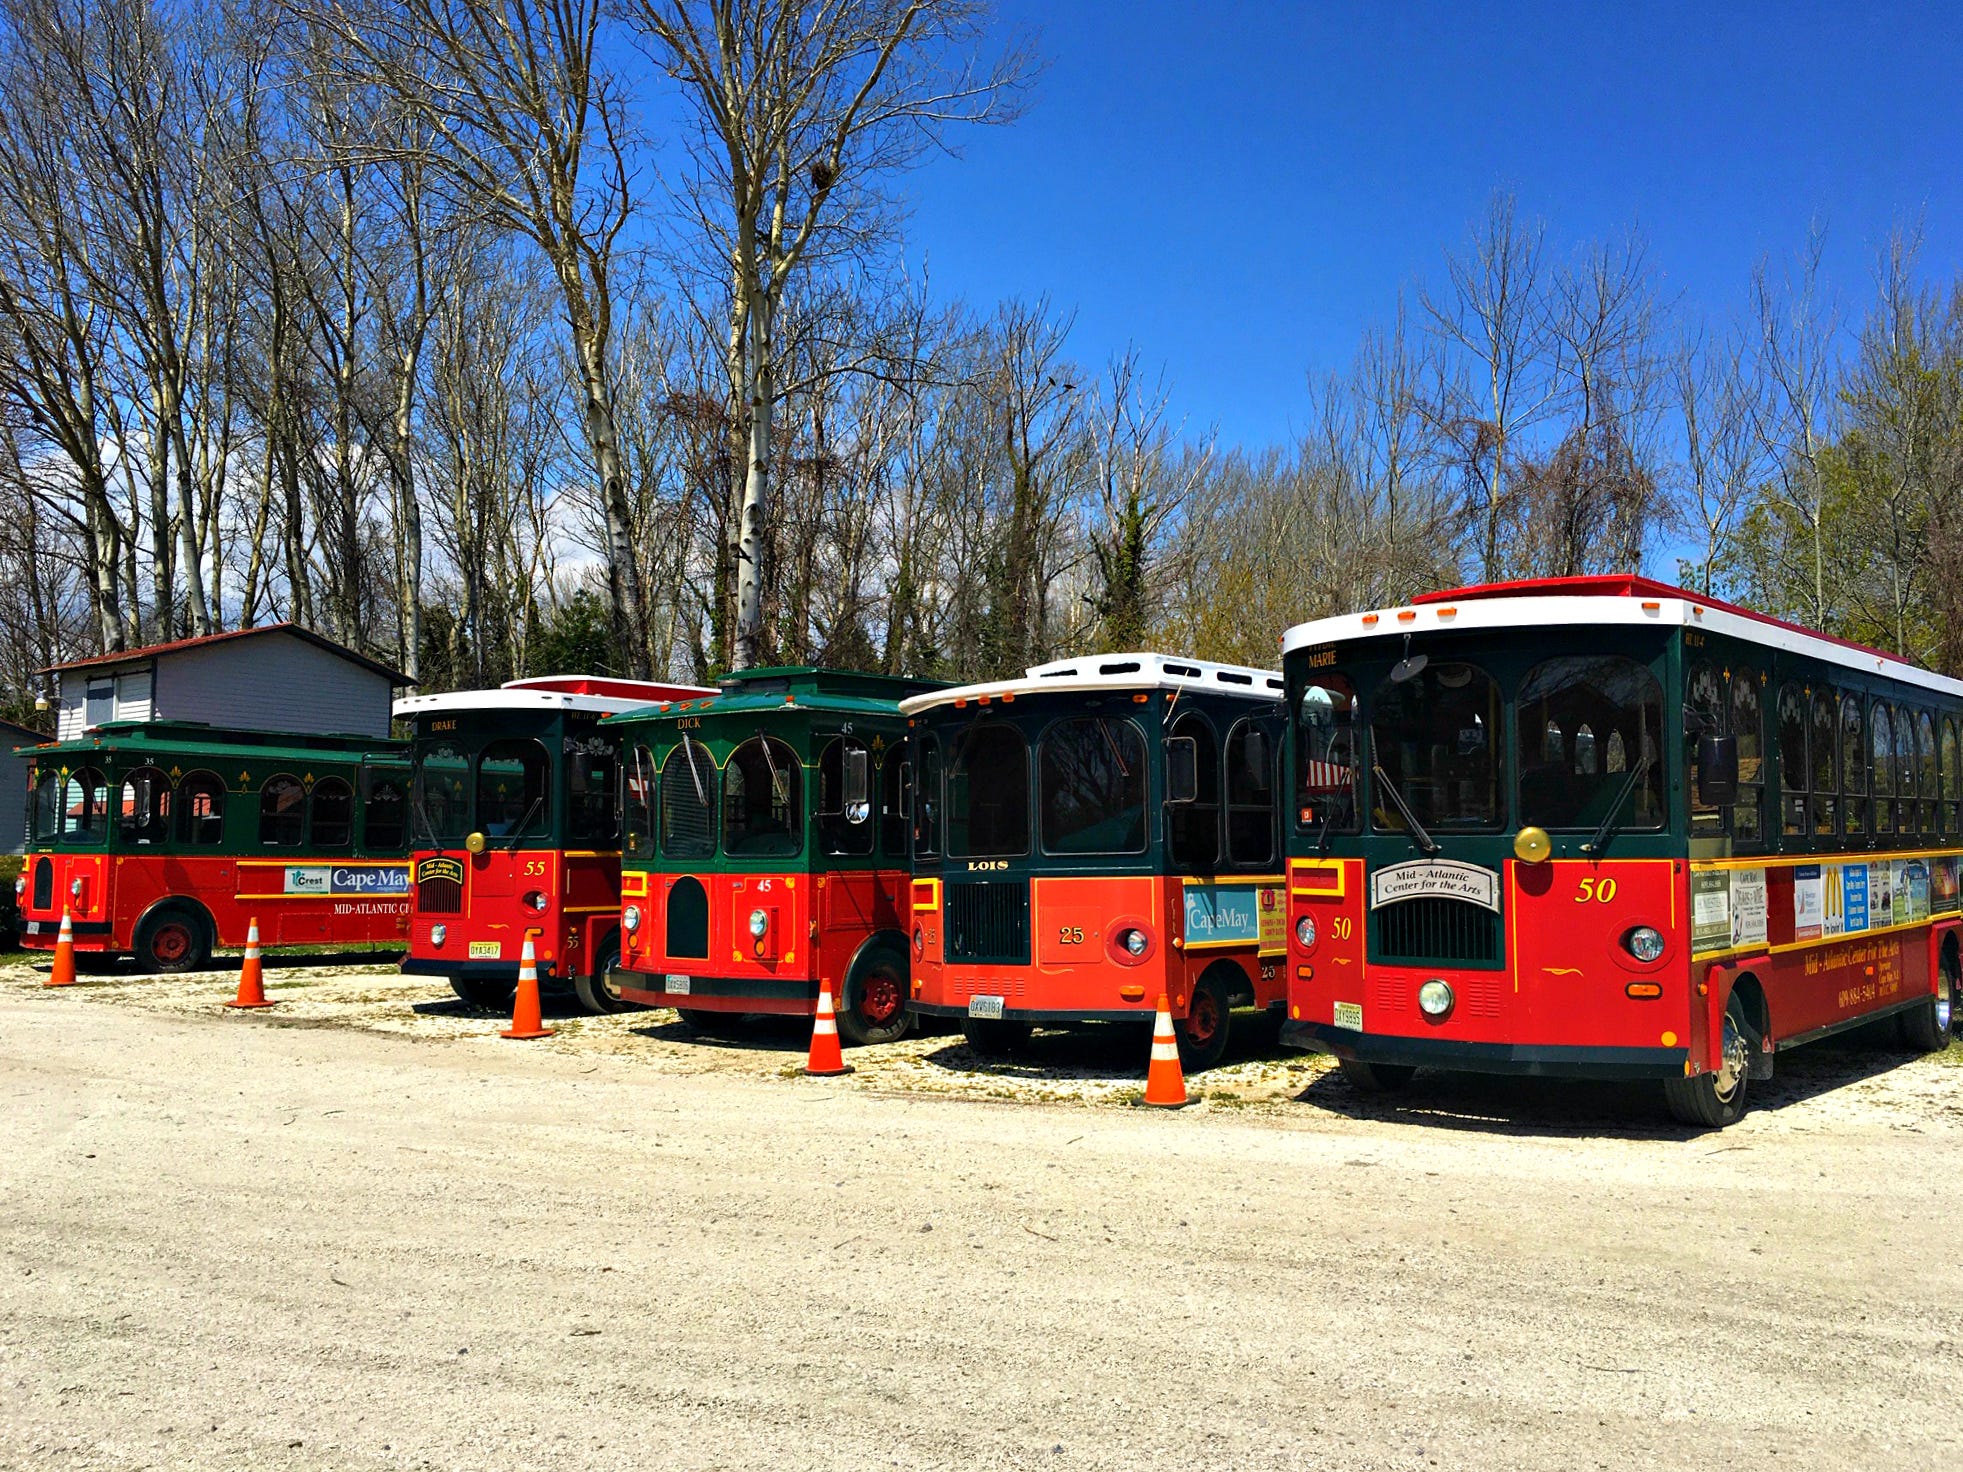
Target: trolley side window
x,y
927,800
844,798
1927,786
384,814
1794,767
893,796
330,814
1881,761
988,793
84,808
143,817
47,807
1250,774
1193,821
514,789
762,799
1826,765
1952,774
1854,765
1326,757
1747,729
592,780
1093,787
201,810
282,812
688,802
637,802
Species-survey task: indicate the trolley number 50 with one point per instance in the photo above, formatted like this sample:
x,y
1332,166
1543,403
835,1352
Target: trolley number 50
x,y
1598,891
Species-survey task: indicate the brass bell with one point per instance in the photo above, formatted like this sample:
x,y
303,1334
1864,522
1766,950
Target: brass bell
x,y
1532,846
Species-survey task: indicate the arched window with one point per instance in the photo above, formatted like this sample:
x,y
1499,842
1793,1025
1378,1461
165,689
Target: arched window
x,y
1248,765
1854,765
1826,765
514,790
1952,775
1795,768
1904,770
143,817
1928,784
1747,728
763,799
1706,709
638,803
845,825
442,787
1326,756
1881,734
893,799
1588,694
84,808
201,809
384,815
1193,828
1093,787
927,800
47,807
331,814
688,801
592,790
282,812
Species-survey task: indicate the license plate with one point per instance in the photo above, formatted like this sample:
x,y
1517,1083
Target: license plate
x,y
985,1007
34,927
486,950
676,984
1350,1015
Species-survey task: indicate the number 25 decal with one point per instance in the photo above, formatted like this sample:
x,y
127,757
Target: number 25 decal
x,y
1601,891
1070,935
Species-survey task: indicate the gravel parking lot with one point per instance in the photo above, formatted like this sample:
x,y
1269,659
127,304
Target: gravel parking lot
x,y
360,1231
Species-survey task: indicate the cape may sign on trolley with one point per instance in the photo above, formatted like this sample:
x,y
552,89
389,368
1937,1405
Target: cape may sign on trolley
x,y
1423,877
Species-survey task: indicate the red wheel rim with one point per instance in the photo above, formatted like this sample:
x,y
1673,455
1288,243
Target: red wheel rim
x,y
1203,1020
171,943
880,1000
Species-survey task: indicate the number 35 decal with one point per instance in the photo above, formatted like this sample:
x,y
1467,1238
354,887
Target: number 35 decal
x,y
1601,891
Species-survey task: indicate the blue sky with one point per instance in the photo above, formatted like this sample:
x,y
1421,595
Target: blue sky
x,y
1242,190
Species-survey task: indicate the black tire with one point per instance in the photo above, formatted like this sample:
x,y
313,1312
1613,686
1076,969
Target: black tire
x,y
874,1006
596,993
489,992
173,940
710,1024
1713,1100
1376,1078
1204,1030
1926,1026
993,1038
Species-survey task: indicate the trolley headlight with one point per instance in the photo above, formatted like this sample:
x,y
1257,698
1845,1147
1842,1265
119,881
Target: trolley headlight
x,y
630,919
919,941
438,934
1644,943
1134,942
1305,932
20,886
535,900
759,924
1435,998
75,888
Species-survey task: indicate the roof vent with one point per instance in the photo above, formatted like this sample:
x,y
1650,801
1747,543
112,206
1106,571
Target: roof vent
x,y
1122,667
1231,678
1192,671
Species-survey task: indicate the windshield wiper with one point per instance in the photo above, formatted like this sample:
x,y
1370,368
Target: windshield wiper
x,y
1594,845
688,750
1425,840
1322,834
518,831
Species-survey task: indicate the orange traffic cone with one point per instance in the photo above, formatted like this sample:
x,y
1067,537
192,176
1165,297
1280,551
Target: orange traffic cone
x,y
826,1058
62,973
525,1019
1165,1082
252,983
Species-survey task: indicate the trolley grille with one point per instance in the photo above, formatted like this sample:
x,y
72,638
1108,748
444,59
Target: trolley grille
x,y
439,897
44,883
1431,928
987,921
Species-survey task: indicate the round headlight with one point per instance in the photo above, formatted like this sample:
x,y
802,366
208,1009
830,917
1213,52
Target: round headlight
x,y
438,934
1644,943
630,918
20,885
75,888
759,924
1435,998
919,940
535,900
1305,932
1135,942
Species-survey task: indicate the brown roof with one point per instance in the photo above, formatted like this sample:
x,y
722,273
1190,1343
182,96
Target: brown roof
x,y
131,656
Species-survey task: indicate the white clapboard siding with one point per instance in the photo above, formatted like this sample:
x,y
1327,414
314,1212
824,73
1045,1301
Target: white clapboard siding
x,y
275,683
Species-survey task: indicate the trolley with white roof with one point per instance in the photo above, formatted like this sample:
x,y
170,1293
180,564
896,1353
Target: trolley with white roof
x,y
515,828
1606,828
1092,836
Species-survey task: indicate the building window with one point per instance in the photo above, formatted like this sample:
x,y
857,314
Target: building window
x,y
100,702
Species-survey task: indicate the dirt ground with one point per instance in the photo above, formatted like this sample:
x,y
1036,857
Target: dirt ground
x,y
360,1231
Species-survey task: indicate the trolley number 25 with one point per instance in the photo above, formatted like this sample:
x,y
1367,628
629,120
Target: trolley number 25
x,y
1596,891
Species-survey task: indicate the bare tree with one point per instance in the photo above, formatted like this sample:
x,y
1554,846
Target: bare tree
x,y
1719,403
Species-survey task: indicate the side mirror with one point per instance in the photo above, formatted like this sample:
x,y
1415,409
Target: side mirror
x,y
1717,770
857,771
1182,769
1255,752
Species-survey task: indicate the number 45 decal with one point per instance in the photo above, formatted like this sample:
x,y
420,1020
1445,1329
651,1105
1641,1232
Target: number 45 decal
x,y
1600,891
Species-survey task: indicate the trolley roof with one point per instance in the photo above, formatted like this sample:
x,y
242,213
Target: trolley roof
x,y
1605,602
794,687
1138,671
194,743
599,694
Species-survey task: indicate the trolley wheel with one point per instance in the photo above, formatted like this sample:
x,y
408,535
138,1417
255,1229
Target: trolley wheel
x,y
598,994
1202,1032
1926,1026
993,1038
1713,1100
1376,1078
874,1006
173,940
711,1024
488,992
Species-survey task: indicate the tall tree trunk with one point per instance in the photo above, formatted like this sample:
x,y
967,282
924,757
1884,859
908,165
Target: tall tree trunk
x,y
751,516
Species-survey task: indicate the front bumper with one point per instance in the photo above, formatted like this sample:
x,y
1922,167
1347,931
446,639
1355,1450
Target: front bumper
x,y
791,997
476,970
1042,1016
1543,1060
41,935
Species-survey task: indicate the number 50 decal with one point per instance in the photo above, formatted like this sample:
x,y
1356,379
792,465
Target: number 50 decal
x,y
1601,891
1340,928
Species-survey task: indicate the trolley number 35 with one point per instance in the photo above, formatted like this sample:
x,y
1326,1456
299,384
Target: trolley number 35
x,y
1597,891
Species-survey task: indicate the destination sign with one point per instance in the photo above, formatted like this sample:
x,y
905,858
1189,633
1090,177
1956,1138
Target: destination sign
x,y
1443,878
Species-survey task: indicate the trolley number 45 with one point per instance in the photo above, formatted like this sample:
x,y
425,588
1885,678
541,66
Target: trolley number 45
x,y
1595,891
